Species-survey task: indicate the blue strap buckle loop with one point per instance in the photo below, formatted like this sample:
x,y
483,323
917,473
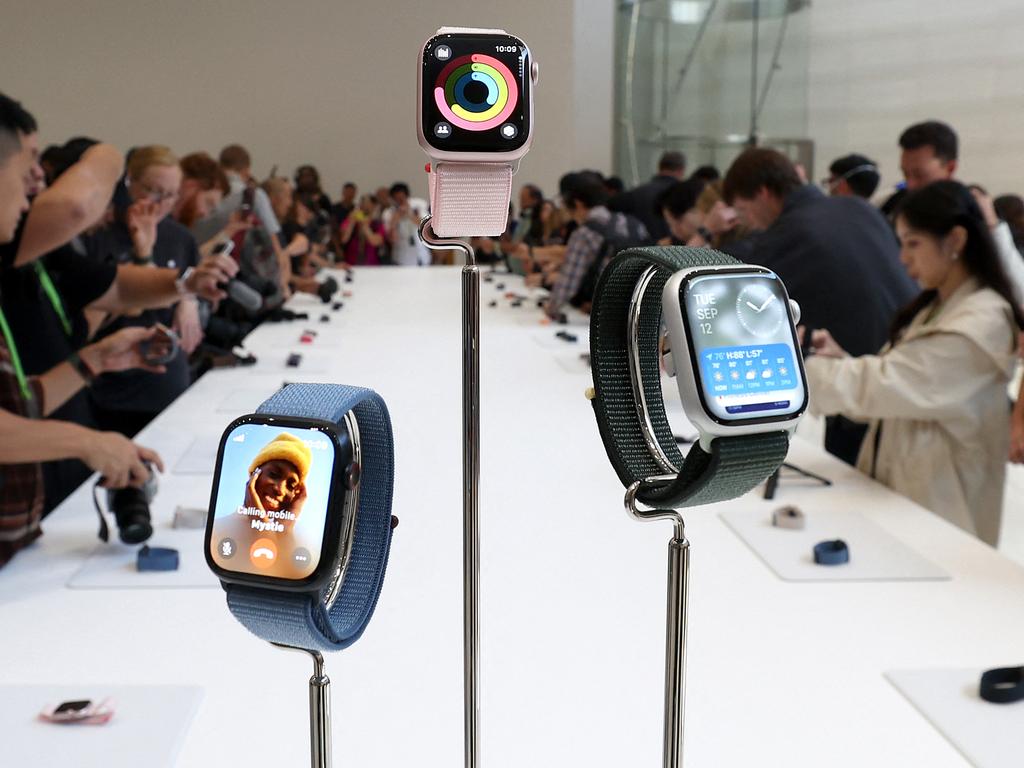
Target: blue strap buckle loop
x,y
834,552
157,559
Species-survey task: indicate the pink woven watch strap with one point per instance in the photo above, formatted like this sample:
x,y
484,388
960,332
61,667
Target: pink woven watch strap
x,y
470,199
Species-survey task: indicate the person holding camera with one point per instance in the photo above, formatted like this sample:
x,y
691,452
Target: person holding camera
x,y
362,234
402,222
51,293
26,438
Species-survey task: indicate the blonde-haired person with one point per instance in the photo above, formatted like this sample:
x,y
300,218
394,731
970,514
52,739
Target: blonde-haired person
x,y
145,233
934,398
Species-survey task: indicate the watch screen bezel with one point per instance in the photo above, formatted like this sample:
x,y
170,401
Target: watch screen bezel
x,y
695,363
330,544
525,85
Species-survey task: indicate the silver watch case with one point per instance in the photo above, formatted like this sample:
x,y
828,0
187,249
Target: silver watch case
x,y
709,426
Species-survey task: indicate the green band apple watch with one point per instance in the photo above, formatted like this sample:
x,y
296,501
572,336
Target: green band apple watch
x,y
741,380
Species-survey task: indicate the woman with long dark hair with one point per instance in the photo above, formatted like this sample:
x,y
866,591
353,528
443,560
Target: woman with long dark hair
x,y
935,395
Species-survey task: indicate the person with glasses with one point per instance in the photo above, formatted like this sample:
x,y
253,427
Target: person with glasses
x,y
852,176
145,233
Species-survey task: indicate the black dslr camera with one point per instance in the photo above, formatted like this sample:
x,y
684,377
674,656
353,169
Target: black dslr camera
x,y
130,507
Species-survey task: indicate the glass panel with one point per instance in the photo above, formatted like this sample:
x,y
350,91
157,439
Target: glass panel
x,y
704,76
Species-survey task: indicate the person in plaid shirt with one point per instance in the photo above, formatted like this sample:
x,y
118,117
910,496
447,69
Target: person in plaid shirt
x,y
584,197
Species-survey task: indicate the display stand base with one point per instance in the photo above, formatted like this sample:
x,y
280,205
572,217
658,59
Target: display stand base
x,y
470,485
772,484
675,625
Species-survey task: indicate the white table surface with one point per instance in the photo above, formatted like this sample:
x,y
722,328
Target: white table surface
x,y
573,591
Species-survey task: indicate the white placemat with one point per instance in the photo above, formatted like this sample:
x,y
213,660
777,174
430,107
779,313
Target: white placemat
x,y
148,728
874,554
988,735
200,458
113,565
242,401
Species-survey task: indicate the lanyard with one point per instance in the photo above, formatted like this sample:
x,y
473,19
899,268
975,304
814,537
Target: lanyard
x,y
19,373
51,293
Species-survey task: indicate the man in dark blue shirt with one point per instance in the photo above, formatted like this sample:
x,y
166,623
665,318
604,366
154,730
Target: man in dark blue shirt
x,y
642,202
837,256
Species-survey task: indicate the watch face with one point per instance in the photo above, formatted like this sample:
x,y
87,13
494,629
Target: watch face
x,y
476,92
743,346
271,510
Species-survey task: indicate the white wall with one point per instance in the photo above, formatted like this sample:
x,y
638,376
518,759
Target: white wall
x,y
879,65
331,82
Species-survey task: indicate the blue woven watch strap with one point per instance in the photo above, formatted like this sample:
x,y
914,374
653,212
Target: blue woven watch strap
x,y
734,465
301,620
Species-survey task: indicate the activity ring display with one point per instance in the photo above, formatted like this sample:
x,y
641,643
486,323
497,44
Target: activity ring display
x,y
475,121
734,347
300,524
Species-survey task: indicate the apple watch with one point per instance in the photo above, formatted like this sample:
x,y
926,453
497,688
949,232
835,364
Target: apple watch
x,y
299,527
732,345
475,121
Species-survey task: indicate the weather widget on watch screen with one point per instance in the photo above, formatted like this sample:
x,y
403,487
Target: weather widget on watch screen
x,y
744,351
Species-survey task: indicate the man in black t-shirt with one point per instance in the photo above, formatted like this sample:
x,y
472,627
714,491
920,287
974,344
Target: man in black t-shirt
x,y
127,401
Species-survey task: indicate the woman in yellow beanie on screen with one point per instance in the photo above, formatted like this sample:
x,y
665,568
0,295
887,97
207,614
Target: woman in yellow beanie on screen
x,y
277,476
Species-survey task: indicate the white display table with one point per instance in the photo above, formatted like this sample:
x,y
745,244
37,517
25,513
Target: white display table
x,y
573,591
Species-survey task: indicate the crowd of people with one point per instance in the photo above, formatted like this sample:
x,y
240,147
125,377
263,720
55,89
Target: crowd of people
x,y
911,309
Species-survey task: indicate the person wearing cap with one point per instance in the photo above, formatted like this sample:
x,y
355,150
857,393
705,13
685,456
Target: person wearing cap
x,y
277,477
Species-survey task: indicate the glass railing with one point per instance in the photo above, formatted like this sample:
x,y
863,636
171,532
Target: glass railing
x,y
709,78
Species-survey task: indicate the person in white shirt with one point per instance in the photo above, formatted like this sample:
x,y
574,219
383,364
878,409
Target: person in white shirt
x,y
402,222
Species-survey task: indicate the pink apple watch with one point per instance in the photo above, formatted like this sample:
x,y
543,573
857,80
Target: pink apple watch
x,y
475,121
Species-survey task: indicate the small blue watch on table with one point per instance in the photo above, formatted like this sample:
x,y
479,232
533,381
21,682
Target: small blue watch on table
x,y
300,520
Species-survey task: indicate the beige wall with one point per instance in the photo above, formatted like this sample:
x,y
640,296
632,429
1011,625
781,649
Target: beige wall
x,y
328,82
877,66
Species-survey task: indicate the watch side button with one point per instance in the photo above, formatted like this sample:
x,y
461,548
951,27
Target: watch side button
x,y
534,72
352,472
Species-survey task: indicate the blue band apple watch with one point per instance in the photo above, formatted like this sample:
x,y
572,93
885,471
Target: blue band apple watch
x,y
303,598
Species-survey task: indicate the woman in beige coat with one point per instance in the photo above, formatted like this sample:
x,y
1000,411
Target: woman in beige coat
x,y
935,396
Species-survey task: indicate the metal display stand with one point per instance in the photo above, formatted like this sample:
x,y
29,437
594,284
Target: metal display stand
x,y
675,622
319,710
678,546
470,485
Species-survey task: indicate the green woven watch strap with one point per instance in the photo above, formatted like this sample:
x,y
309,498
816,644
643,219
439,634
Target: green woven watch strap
x,y
734,465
